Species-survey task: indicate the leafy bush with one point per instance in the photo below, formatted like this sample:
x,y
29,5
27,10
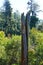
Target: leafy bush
x,y
10,49
36,47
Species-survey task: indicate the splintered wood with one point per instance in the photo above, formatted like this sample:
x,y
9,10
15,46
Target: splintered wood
x,y
24,41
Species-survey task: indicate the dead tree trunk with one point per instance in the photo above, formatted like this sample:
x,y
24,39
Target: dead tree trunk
x,y
27,26
24,42
25,29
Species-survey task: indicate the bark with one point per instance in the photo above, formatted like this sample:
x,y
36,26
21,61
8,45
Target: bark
x,y
24,42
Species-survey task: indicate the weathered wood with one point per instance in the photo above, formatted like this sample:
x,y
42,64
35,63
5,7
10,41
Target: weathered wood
x,y
27,27
24,42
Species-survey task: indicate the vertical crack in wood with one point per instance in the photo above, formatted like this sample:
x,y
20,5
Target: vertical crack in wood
x,y
24,32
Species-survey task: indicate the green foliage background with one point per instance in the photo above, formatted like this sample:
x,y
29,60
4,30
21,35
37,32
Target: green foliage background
x,y
10,48
10,38
36,47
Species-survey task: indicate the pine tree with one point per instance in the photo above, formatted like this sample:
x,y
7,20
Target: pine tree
x,y
7,16
33,6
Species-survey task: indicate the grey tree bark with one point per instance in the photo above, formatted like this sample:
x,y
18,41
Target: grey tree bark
x,y
25,33
24,42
